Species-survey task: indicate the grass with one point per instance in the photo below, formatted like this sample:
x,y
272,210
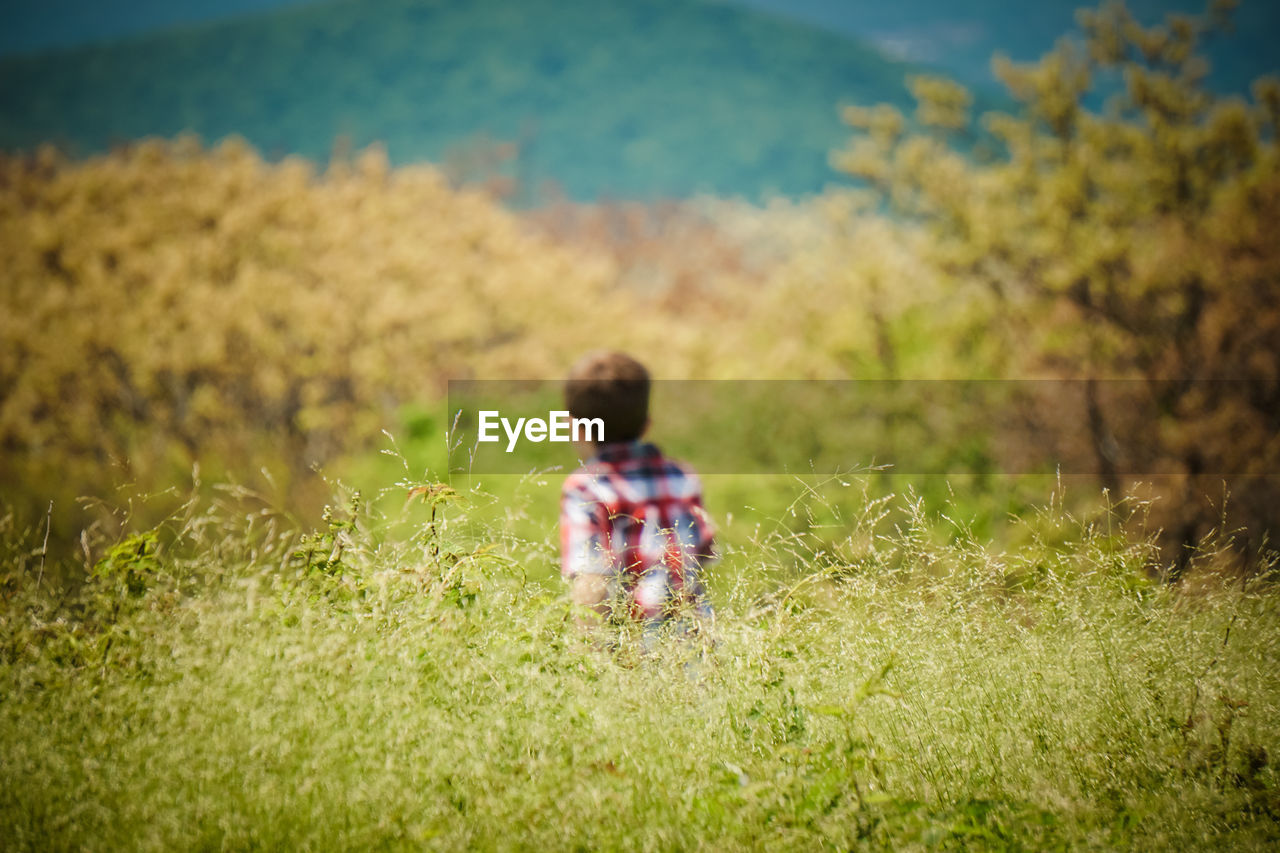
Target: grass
x,y
406,676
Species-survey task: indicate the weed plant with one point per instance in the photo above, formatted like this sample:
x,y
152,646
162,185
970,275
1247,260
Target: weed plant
x,y
405,676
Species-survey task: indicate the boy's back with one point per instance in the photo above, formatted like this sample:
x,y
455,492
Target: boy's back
x,y
633,515
631,520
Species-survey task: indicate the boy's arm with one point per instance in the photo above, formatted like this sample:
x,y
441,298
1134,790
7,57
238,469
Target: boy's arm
x,y
701,549
705,547
583,557
592,593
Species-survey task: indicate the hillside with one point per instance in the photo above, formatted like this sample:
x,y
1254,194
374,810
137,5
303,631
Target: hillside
x,y
961,37
635,99
36,25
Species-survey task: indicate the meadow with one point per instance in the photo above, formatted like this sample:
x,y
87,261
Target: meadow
x,y
405,676
245,601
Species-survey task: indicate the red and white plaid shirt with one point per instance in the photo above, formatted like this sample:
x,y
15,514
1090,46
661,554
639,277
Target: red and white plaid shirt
x,y
632,514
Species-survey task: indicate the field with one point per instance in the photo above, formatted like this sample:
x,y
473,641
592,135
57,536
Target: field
x,y
248,600
396,680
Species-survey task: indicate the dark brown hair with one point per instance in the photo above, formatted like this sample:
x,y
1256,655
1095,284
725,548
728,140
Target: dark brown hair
x,y
611,386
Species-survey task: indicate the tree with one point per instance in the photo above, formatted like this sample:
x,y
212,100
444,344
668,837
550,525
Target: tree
x,y
1138,240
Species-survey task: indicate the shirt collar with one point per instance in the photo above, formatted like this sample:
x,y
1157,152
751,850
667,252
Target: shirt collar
x,y
621,451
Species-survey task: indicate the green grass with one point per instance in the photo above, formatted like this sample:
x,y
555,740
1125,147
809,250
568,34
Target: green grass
x,y
821,507
409,677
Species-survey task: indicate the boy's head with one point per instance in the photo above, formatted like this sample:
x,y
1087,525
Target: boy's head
x,y
611,386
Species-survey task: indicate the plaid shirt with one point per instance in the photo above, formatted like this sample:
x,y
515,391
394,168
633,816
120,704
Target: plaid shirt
x,y
634,515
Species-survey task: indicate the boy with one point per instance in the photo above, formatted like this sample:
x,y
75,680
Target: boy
x,y
633,531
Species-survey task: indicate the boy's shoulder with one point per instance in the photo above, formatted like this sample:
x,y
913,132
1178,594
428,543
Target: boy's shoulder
x,y
632,461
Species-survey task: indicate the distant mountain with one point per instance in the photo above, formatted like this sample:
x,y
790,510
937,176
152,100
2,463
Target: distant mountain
x,y
962,36
35,25
624,98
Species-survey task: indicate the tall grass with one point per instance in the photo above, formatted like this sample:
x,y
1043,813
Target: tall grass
x,y
404,677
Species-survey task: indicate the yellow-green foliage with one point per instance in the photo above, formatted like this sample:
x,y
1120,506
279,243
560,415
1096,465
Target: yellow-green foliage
x,y
854,295
398,683
167,303
1139,241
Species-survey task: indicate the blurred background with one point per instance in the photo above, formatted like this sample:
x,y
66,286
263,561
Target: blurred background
x,y
647,100
253,237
